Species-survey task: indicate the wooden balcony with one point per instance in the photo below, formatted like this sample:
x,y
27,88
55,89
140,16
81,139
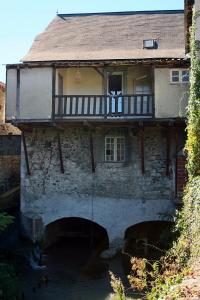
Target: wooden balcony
x,y
103,106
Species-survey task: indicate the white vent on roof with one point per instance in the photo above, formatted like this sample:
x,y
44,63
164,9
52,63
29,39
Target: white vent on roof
x,y
149,44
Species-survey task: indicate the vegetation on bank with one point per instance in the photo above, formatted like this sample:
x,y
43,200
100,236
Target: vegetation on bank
x,y
160,279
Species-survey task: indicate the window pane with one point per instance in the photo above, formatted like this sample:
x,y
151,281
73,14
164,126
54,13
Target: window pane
x,y
175,76
114,149
185,76
109,149
120,149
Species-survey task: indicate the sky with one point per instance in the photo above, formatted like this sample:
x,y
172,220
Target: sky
x,y
22,20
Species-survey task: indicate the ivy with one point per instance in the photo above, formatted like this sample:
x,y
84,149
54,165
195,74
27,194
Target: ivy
x,y
193,125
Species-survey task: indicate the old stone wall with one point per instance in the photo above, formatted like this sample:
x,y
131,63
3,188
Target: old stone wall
x,y
9,162
116,196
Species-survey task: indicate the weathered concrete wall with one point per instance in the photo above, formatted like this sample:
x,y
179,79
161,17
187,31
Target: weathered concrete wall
x,y
116,196
170,99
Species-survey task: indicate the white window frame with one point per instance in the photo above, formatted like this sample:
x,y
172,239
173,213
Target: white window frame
x,y
180,75
115,158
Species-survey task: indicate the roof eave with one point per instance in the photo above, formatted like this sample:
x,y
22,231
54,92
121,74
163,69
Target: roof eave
x,y
108,62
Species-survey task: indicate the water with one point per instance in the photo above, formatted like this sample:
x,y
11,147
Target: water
x,y
73,272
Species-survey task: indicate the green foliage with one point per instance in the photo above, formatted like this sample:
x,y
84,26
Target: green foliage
x,y
118,287
188,244
156,278
8,282
5,220
193,126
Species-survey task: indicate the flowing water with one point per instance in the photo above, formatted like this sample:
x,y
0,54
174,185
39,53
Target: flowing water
x,y
73,271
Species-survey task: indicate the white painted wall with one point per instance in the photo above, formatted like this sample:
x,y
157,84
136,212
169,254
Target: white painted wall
x,y
35,93
170,99
36,90
11,94
115,215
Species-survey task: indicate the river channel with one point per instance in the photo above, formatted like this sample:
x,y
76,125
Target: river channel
x,y
73,271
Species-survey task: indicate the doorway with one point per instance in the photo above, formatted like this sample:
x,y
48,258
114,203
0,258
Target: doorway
x,y
115,89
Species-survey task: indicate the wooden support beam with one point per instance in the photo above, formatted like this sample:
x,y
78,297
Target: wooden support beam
x,y
99,71
60,153
53,93
26,154
142,149
58,127
18,94
88,125
92,152
168,148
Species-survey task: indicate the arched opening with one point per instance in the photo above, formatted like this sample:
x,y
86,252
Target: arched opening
x,y
148,239
76,230
73,246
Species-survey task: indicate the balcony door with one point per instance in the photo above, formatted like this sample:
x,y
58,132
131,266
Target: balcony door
x,y
115,88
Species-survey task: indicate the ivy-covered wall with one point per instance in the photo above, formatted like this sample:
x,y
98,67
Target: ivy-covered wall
x,y
189,222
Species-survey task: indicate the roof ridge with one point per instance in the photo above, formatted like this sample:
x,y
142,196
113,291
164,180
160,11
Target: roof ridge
x,y
175,11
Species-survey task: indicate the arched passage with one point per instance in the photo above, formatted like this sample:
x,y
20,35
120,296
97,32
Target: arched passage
x,y
76,229
148,239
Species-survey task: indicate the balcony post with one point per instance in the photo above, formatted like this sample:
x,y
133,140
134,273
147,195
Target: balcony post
x,y
53,92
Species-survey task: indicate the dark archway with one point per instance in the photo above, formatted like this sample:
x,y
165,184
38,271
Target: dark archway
x,y
77,230
148,239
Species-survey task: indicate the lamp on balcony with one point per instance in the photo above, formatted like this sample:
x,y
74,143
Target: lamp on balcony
x,y
77,76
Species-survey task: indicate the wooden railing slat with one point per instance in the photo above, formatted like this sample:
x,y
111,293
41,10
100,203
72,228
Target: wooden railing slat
x,y
103,105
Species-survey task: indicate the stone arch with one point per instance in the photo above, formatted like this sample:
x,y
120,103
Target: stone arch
x,y
146,238
75,227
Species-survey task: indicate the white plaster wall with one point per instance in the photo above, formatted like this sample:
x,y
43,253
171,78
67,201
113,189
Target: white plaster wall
x,y
35,93
11,94
115,215
135,75
170,99
90,81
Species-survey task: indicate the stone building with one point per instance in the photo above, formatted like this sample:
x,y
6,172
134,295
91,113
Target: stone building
x,y
9,156
101,99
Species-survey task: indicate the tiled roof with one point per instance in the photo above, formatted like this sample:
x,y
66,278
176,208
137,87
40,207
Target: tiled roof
x,y
110,36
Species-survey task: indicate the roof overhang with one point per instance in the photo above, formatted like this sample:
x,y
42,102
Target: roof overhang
x,y
104,63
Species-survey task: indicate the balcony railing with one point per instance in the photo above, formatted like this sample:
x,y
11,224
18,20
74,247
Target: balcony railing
x,y
67,106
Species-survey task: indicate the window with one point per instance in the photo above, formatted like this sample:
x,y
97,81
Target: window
x,y
150,44
180,76
114,149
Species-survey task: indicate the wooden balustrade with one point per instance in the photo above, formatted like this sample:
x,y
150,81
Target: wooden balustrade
x,y
103,106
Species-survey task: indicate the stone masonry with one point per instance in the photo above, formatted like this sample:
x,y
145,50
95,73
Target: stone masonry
x,y
116,196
